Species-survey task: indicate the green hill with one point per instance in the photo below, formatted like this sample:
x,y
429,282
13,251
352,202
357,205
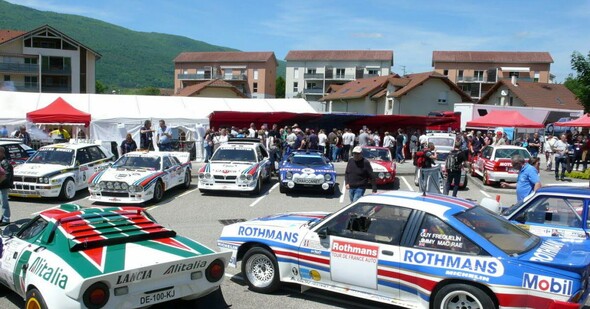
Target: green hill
x,y
130,59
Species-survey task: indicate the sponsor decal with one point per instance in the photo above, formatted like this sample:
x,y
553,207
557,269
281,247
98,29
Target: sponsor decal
x,y
547,251
53,275
547,284
295,271
349,259
180,267
268,234
134,276
428,239
467,275
315,275
355,251
308,171
485,266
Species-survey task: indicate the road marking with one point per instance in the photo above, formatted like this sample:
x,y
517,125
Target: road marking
x,y
343,192
38,212
407,184
187,192
264,195
484,193
152,207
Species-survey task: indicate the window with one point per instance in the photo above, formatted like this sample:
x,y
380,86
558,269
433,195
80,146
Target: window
x,y
311,71
478,75
511,101
95,153
255,87
33,228
536,76
6,78
296,73
255,75
295,86
460,75
553,211
373,72
15,152
228,73
340,73
31,60
83,157
167,163
515,74
312,86
446,72
436,234
443,96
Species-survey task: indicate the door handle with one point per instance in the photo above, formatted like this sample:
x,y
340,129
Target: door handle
x,y
387,252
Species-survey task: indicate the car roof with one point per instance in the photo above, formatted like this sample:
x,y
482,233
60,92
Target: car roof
x,y
431,203
307,153
147,154
506,147
70,145
564,190
375,147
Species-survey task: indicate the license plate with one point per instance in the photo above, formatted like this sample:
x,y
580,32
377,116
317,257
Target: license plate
x,y
157,297
306,180
511,170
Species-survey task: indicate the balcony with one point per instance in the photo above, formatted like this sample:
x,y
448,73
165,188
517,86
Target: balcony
x,y
241,77
519,79
19,67
206,76
56,89
313,76
19,86
318,91
65,70
343,77
370,75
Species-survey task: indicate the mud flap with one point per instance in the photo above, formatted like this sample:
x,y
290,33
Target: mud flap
x,y
213,300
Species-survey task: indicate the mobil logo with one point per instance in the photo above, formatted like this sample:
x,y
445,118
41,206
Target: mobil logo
x,y
547,284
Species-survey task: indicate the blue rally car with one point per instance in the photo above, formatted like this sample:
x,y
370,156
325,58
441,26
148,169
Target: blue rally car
x,y
306,170
411,250
554,211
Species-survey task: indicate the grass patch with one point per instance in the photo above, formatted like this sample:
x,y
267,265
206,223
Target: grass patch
x,y
579,175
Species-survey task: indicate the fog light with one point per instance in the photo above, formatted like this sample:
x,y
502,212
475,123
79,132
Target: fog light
x,y
121,291
291,185
325,186
196,275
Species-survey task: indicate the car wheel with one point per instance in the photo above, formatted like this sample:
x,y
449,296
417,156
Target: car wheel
x,y
187,180
462,296
486,178
68,190
261,270
283,189
258,188
34,300
158,191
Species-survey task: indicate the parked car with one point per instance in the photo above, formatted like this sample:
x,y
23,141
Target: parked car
x,y
307,170
554,211
242,164
59,170
444,144
411,250
140,176
494,164
110,257
16,152
383,166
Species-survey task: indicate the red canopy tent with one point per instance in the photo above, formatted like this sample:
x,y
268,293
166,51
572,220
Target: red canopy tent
x,y
583,121
512,119
59,112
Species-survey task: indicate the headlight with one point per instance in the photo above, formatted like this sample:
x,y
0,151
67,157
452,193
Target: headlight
x,y
249,177
327,177
124,186
117,185
102,185
133,189
110,185
387,175
43,180
381,175
289,175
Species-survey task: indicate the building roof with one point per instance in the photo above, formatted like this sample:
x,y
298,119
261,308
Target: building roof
x,y
7,35
334,55
412,81
214,83
358,88
538,94
226,57
491,56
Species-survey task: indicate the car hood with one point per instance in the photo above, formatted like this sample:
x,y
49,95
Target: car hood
x,y
563,254
381,166
230,168
38,170
126,175
308,169
288,220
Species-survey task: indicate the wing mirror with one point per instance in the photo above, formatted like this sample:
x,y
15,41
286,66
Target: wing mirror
x,y
323,233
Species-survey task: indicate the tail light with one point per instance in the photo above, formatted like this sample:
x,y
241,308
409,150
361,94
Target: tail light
x,y
497,167
96,295
215,271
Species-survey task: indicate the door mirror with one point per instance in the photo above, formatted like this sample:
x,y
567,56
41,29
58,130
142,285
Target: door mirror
x,y
323,233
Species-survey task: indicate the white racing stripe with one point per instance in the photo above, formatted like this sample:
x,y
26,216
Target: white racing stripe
x,y
264,195
342,192
407,183
38,212
484,193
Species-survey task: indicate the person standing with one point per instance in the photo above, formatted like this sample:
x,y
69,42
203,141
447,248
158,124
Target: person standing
x,y
389,143
399,146
548,145
455,160
145,136
322,138
208,142
560,148
128,144
24,135
3,131
313,141
332,140
534,145
363,138
347,142
60,132
499,139
5,185
164,137
358,175
528,180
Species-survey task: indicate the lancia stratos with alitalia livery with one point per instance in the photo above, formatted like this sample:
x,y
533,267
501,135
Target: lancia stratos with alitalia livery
x,y
140,176
241,164
383,166
59,170
411,250
308,170
111,257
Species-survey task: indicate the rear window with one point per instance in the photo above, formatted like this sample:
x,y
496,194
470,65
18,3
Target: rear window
x,y
377,154
507,153
442,141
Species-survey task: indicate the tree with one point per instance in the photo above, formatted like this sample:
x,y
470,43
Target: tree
x,y
580,84
100,87
280,87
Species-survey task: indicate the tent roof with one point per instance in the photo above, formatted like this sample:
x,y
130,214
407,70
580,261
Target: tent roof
x,y
583,121
59,111
499,118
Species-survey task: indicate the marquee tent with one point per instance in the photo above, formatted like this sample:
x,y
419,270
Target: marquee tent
x,y
500,118
583,121
59,111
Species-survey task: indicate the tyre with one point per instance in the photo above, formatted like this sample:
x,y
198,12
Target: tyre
x,y
462,296
34,300
187,180
486,178
68,190
158,191
258,188
260,268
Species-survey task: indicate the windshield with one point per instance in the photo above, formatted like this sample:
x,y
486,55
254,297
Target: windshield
x,y
59,156
441,156
507,153
442,141
231,154
138,162
499,231
307,160
377,154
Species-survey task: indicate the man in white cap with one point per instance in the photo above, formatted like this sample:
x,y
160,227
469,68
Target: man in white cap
x,y
358,175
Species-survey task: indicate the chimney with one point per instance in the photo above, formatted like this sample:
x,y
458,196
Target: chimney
x,y
513,80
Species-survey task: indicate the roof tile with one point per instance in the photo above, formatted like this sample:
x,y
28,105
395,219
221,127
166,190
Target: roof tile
x,y
214,83
7,35
225,57
539,94
491,56
381,55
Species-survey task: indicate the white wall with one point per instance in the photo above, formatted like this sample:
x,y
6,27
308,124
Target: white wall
x,y
424,99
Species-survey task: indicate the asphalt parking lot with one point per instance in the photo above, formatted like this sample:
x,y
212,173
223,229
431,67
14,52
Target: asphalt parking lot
x,y
199,217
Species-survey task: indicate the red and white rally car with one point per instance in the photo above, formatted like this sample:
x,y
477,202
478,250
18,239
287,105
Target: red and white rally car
x,y
383,166
495,163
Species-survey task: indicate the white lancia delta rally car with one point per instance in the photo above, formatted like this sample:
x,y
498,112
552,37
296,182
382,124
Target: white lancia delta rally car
x,y
59,170
109,257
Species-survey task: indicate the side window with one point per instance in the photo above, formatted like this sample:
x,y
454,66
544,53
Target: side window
x,y
167,163
564,212
83,156
33,229
487,153
14,152
436,234
95,153
259,153
263,152
175,161
371,222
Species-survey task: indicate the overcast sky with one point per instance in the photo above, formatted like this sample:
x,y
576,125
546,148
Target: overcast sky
x,y
412,29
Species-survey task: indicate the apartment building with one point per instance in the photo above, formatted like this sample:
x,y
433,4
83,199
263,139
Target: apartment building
x,y
252,73
45,60
476,72
310,73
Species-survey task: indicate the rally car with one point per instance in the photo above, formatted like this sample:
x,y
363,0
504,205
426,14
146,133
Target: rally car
x,y
242,164
444,144
494,164
59,170
116,257
307,170
411,250
554,211
140,176
16,152
382,164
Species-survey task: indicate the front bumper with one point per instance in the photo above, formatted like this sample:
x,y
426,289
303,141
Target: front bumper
x,y
28,189
212,184
119,197
292,185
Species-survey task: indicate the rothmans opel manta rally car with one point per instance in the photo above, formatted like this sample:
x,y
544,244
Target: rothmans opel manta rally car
x,y
411,250
139,176
117,257
59,170
241,164
306,170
